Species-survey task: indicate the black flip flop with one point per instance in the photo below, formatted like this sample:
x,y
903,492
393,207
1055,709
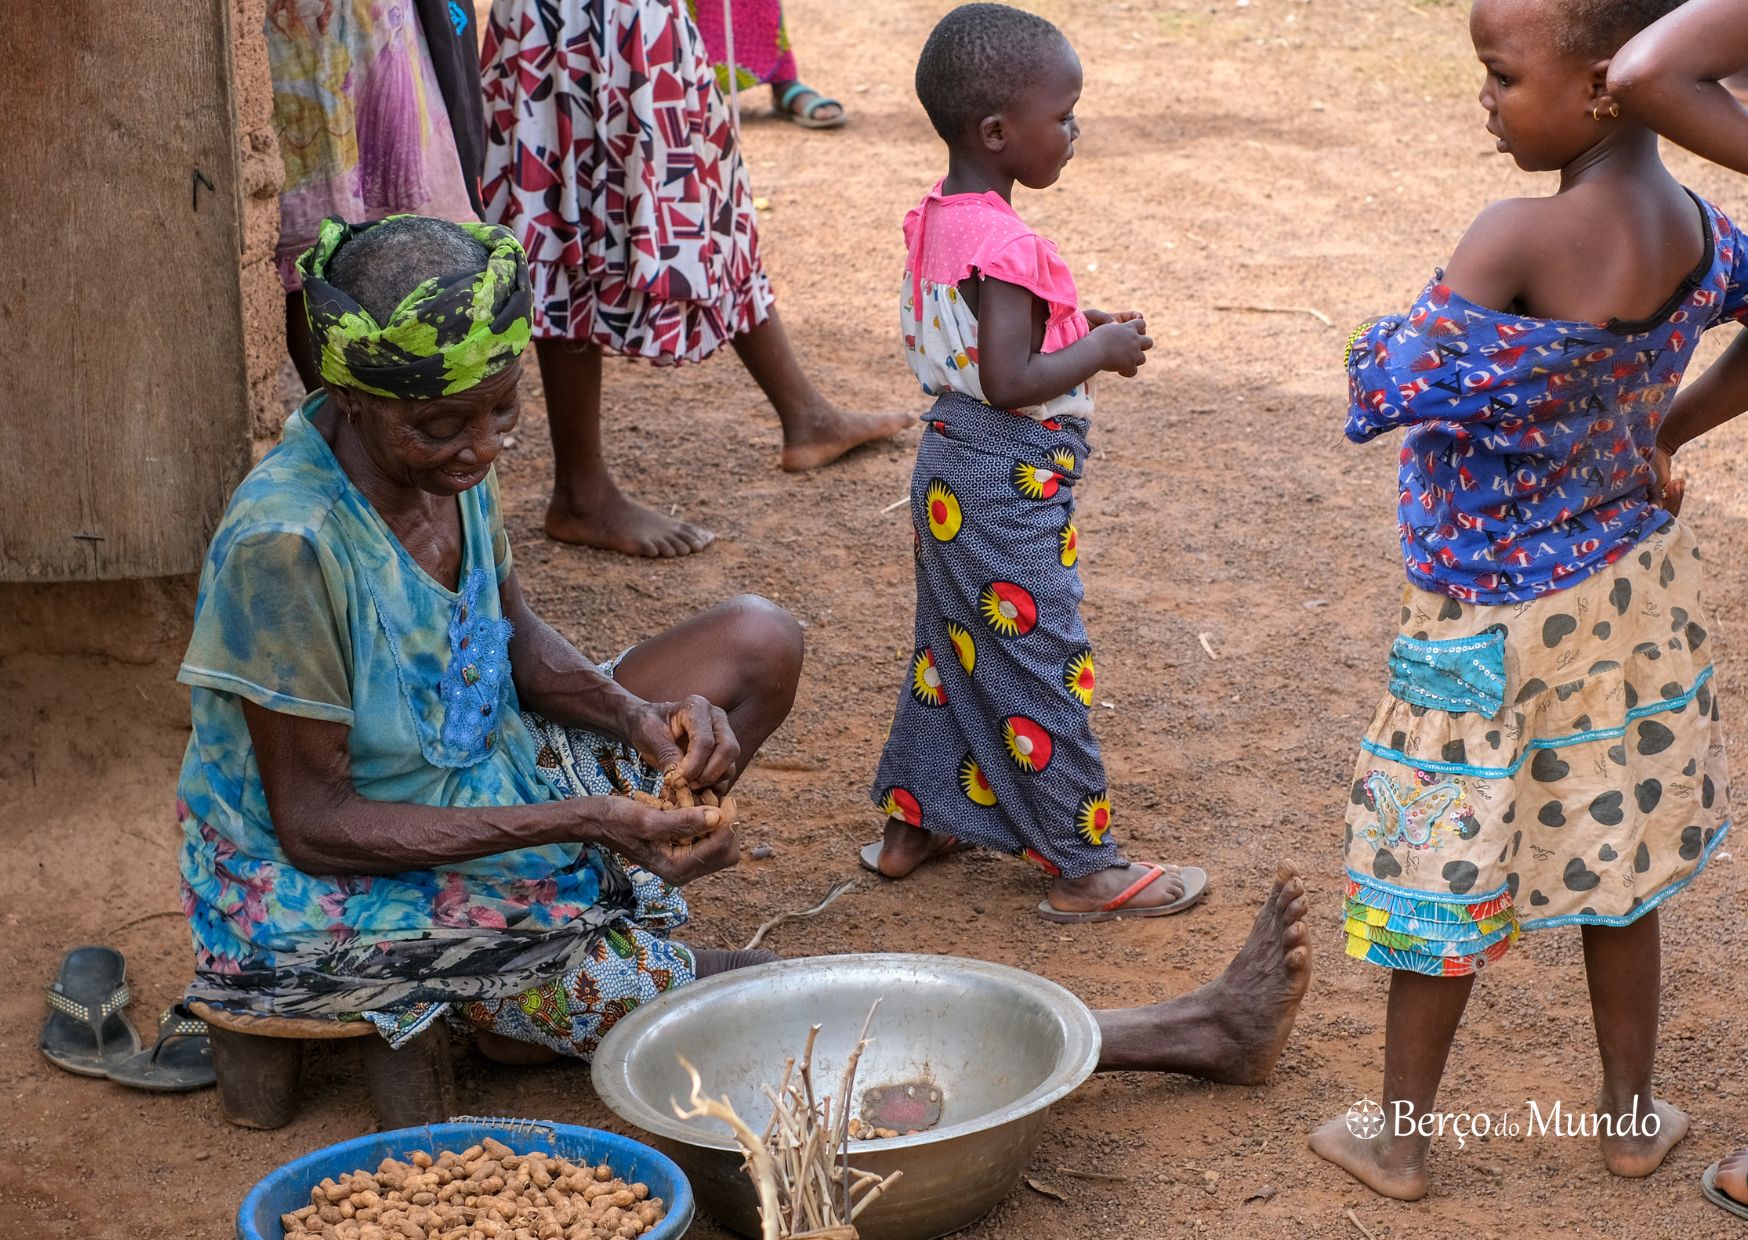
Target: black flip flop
x,y
86,1033
1708,1184
181,1061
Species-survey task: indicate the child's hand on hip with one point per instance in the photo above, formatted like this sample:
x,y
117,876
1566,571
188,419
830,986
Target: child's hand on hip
x,y
1667,491
1122,341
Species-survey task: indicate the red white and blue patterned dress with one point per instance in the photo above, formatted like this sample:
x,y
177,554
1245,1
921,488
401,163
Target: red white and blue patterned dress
x,y
1549,752
611,156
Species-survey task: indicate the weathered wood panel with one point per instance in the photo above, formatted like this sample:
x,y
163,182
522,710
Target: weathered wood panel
x,y
123,410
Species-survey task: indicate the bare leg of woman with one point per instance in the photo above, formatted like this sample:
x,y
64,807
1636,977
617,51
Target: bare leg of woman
x,y
744,656
587,506
815,431
298,342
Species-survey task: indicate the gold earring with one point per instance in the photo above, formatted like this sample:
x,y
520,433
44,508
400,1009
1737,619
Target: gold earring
x,y
1614,110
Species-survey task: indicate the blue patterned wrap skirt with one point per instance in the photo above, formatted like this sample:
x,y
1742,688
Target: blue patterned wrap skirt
x,y
992,741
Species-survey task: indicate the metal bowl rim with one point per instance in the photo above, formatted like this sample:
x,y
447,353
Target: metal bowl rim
x,y
1077,1060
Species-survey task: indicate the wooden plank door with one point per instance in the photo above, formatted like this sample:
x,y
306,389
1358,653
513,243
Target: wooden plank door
x,y
123,405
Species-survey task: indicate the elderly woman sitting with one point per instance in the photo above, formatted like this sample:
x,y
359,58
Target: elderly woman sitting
x,y
399,797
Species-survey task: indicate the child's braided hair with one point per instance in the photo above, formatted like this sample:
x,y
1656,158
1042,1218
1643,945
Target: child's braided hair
x,y
1600,27
978,59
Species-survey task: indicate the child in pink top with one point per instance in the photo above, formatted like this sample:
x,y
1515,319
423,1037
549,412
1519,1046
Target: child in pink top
x,y
992,743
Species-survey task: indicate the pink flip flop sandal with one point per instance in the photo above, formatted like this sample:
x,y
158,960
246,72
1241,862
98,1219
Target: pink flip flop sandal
x,y
1195,887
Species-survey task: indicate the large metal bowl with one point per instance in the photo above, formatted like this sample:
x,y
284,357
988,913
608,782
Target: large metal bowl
x,y
999,1044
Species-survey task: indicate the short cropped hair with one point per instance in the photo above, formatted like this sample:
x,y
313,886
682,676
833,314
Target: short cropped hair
x,y
1601,27
978,59
380,266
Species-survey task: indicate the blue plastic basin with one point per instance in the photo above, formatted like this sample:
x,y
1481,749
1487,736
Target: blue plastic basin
x,y
288,1189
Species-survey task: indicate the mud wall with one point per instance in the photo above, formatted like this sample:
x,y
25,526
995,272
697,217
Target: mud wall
x,y
262,173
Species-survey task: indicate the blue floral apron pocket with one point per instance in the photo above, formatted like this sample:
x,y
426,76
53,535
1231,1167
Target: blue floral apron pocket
x,y
1458,675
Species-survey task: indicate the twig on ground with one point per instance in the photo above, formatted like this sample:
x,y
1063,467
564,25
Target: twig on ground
x,y
1355,1220
1260,309
129,925
801,915
895,505
1207,645
1103,1177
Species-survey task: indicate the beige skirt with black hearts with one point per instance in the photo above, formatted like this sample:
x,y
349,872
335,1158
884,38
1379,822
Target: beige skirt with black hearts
x,y
1558,762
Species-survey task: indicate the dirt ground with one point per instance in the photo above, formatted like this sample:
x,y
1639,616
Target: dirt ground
x,y
1322,154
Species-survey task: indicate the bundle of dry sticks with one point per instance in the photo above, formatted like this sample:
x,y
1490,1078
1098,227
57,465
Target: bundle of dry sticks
x,y
800,1164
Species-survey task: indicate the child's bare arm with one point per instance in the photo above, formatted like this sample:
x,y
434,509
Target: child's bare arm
x,y
1667,77
1388,358
1015,375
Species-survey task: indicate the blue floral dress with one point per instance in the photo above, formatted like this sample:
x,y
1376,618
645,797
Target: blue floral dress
x,y
310,606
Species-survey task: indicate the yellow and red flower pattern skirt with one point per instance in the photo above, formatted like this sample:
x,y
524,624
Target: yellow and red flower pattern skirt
x,y
992,741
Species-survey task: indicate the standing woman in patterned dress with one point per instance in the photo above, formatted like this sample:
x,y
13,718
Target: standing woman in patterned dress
x,y
763,55
611,156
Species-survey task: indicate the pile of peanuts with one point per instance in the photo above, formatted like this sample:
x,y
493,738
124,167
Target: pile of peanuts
x,y
486,1192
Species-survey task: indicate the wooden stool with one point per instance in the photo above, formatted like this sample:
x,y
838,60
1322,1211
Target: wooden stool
x,y
258,1060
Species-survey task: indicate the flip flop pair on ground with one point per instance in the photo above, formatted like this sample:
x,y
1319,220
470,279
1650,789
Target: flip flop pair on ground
x,y
88,1033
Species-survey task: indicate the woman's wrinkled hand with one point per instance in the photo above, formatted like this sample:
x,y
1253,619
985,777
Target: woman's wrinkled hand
x,y
677,845
689,740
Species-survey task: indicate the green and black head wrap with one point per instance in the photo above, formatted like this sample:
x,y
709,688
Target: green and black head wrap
x,y
446,336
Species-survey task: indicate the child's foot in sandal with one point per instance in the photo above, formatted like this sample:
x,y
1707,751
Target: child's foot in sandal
x,y
1139,889
905,848
1634,1157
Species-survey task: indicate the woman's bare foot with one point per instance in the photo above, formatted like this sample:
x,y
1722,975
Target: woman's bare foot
x,y
827,433
1095,890
606,518
1637,1157
1390,1167
906,847
1732,1179
1233,1028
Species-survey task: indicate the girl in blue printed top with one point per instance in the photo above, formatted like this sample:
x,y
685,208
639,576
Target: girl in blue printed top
x,y
1549,752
